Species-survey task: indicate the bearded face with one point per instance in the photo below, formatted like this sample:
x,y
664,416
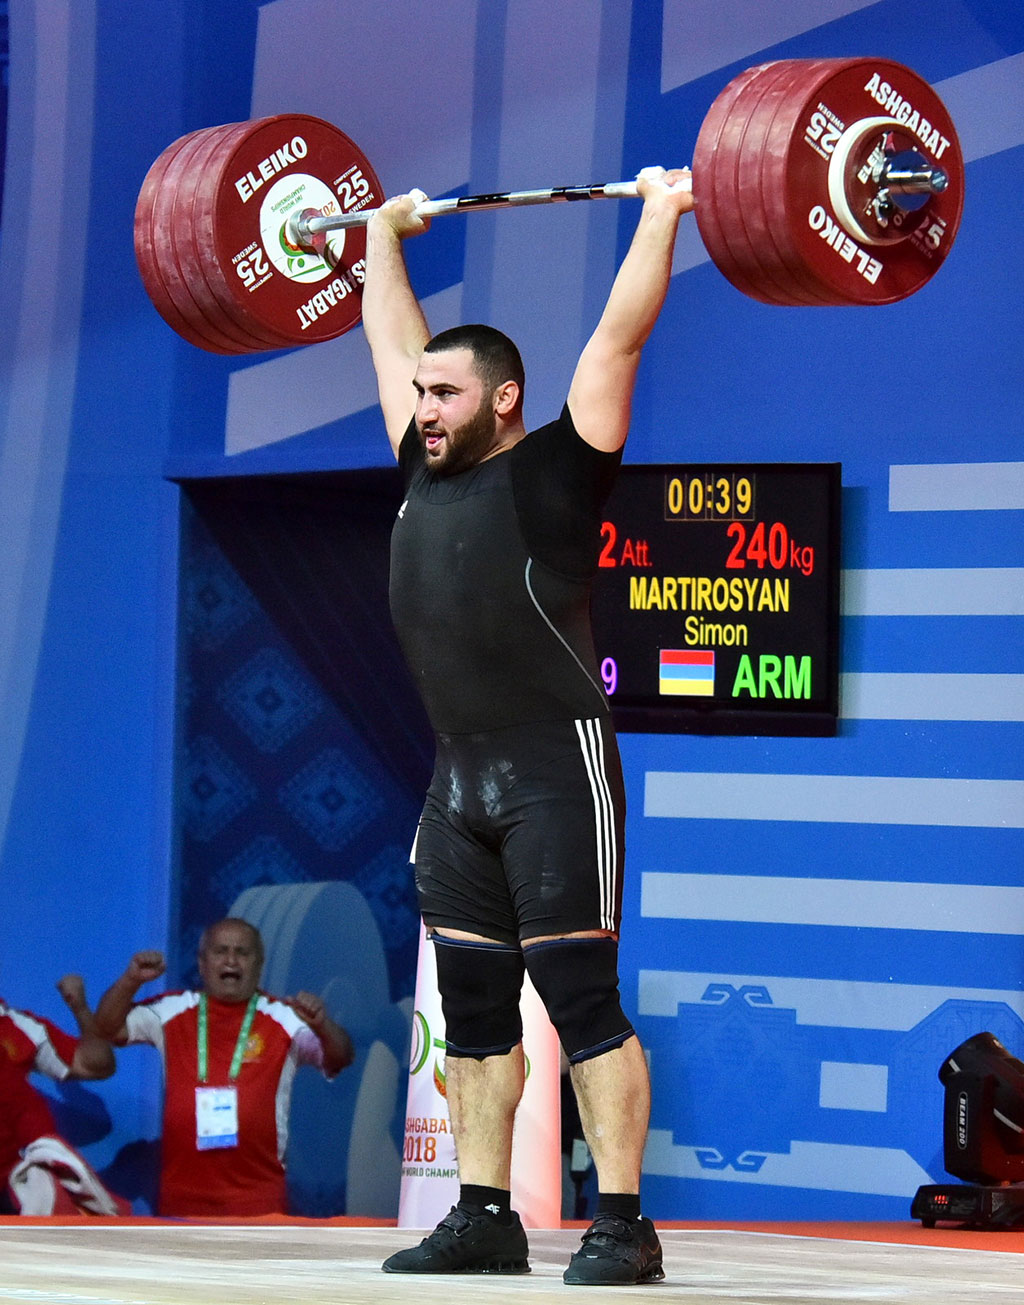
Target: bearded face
x,y
460,447
455,415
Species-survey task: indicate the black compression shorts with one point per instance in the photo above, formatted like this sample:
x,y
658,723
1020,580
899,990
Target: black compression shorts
x,y
522,832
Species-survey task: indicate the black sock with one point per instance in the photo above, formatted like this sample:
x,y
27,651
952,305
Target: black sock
x,y
625,1204
495,1201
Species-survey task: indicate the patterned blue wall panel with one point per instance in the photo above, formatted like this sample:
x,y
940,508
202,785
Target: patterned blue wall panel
x,y
276,785
280,796
269,700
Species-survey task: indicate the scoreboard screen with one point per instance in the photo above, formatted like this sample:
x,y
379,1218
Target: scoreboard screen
x,y
716,600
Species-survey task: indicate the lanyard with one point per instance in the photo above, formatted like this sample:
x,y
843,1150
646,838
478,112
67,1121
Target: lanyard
x,y
202,1035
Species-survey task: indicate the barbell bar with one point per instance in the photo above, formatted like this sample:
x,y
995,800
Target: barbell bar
x,y
304,227
816,182
911,177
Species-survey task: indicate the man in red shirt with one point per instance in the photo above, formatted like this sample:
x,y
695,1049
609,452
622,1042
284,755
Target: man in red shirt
x,y
32,1043
230,1053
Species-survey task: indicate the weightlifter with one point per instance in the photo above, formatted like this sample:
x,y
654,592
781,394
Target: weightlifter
x,y
518,853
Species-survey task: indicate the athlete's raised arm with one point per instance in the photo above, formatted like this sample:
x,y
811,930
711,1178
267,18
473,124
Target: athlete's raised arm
x,y
393,320
601,393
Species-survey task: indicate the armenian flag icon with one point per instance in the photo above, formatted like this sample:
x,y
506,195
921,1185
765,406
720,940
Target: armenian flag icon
x,y
686,671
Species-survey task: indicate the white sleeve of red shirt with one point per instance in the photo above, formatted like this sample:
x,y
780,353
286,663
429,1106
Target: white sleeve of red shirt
x,y
54,1049
305,1048
145,1022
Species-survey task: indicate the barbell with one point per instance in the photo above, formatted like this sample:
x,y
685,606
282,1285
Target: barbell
x,y
816,182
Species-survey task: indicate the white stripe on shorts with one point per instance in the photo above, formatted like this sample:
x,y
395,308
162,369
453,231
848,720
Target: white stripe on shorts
x,y
592,747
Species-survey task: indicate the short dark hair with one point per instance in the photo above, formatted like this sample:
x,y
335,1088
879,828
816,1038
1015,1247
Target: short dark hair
x,y
495,357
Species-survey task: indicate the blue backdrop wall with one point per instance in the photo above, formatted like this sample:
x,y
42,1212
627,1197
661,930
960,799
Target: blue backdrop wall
x,y
811,925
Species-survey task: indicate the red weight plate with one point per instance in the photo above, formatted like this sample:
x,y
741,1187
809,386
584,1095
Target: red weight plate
x,y
207,181
183,223
709,168
145,257
808,77
161,229
150,261
806,131
755,170
190,265
176,180
283,165
737,165
779,139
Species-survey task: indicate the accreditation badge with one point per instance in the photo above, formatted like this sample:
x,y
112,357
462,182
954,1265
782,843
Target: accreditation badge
x,y
216,1117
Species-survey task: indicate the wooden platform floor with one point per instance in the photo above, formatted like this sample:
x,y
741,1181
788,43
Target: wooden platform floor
x,y
105,1263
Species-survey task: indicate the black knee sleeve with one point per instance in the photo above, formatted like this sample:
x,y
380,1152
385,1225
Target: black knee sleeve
x,y
577,980
480,985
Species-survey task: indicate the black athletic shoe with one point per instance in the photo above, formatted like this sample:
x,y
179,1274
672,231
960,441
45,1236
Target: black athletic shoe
x,y
616,1252
466,1243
